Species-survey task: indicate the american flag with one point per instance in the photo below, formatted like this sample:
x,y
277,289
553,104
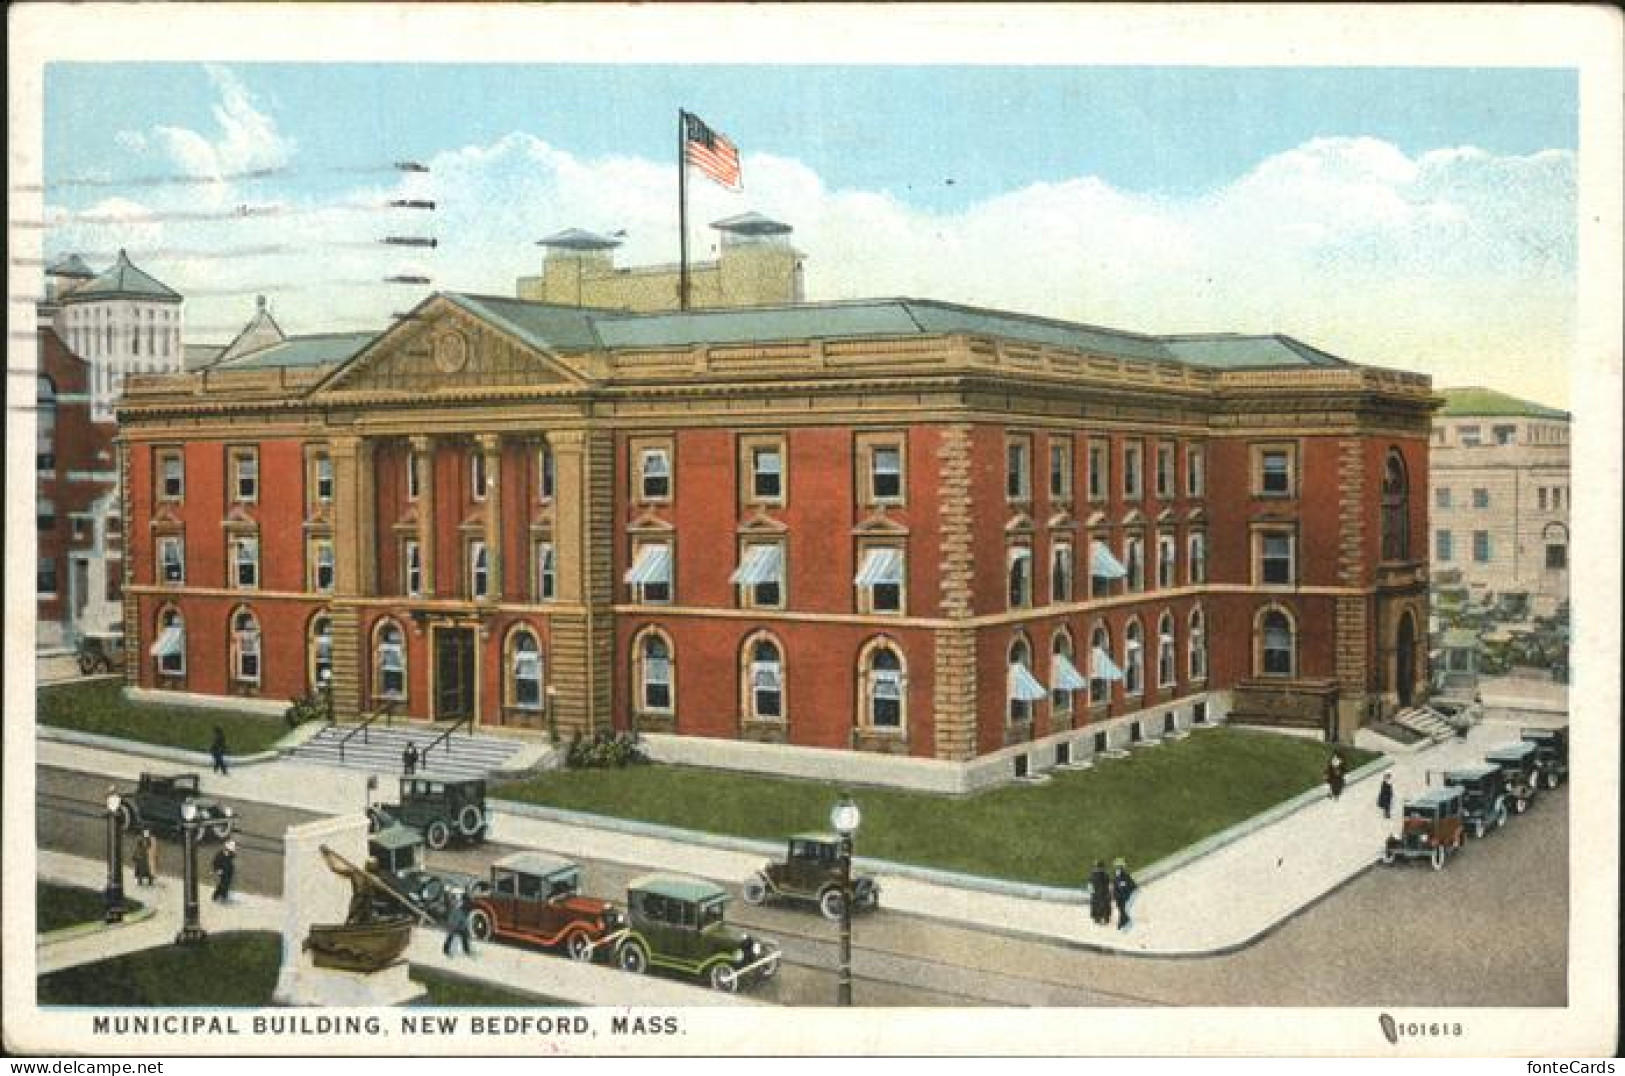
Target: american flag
x,y
710,152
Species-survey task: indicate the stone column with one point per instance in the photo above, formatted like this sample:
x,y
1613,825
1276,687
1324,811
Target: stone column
x,y
569,486
490,446
354,538
953,697
423,447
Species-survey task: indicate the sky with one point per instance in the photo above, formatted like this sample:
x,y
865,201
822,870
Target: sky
x,y
1415,218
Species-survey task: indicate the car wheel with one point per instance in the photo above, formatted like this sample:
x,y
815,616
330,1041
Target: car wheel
x,y
1551,780
633,958
1500,814
1478,829
438,835
1520,805
1438,857
723,978
754,891
127,816
479,924
579,946
832,903
470,821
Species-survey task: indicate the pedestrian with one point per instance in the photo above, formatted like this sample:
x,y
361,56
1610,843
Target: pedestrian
x,y
1385,796
146,858
225,871
409,758
1334,775
1124,890
217,748
1100,894
457,925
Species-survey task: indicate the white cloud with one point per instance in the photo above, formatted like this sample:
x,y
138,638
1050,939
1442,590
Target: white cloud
x,y
246,140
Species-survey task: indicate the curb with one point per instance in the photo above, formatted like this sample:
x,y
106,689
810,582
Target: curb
x,y
150,750
84,930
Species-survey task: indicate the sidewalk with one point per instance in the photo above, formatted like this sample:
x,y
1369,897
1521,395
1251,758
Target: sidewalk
x,y
1281,868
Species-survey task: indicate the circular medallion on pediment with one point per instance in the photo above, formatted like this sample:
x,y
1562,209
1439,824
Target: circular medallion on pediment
x,y
450,352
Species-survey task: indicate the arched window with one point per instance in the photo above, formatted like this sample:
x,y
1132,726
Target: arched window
x,y
45,437
1276,642
1102,669
881,680
525,670
1196,645
389,662
654,673
320,645
1555,538
1396,508
1133,658
169,644
1024,688
1064,677
1166,671
245,647
762,679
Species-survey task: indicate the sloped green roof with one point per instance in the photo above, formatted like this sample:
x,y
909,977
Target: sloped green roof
x,y
1479,401
122,281
322,349
542,325
1232,351
678,887
70,265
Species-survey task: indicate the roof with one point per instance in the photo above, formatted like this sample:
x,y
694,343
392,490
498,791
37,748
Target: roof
x,y
262,331
752,223
1231,351
123,281
321,349
678,887
1511,751
395,837
1479,401
199,355
1470,773
541,325
1461,639
70,265
1434,796
820,838
536,863
577,239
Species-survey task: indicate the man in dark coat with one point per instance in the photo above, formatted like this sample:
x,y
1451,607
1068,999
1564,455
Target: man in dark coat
x,y
1124,889
225,870
1385,796
1100,894
457,925
409,759
1334,776
217,748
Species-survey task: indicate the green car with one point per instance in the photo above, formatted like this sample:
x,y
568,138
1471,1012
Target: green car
x,y
677,923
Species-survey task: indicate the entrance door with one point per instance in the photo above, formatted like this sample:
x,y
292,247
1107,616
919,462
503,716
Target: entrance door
x,y
1405,659
453,673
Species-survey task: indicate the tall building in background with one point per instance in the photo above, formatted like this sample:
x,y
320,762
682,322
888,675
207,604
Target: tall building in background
x,y
1500,494
755,266
121,322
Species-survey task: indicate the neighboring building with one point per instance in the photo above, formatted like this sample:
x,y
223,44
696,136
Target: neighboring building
x,y
755,266
1500,496
961,544
122,322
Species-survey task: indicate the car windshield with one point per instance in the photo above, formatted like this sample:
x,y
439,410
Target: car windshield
x,y
710,912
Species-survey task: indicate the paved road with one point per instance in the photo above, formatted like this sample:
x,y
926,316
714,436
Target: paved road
x,y
1491,929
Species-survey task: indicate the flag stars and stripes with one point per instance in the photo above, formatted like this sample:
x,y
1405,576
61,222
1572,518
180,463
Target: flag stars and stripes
x,y
710,152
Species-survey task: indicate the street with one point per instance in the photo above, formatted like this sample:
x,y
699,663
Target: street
x,y
1491,929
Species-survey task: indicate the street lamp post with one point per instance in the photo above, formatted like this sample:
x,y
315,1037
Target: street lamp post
x,y
845,818
115,861
191,932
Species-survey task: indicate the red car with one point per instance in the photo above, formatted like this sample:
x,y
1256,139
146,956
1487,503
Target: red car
x,y
536,899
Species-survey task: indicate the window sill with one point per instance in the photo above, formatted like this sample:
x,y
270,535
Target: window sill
x,y
881,741
649,721
765,729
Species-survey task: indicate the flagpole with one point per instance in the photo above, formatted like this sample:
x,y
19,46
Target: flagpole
x,y
682,211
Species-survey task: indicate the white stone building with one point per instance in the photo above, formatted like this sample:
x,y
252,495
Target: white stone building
x,y
121,322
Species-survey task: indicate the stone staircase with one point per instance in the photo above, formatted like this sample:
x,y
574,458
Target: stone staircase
x,y
1425,722
381,750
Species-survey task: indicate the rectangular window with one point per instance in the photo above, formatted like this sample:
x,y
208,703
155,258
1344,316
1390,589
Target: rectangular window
x,y
245,560
653,476
880,579
1275,555
477,477
1557,557
1165,471
324,479
760,575
479,570
172,475
245,475
1198,558
321,570
1021,577
651,573
1134,563
1017,469
45,578
1133,455
1060,572
1481,498
171,561
1167,557
886,473
1469,436
1541,492
391,669
761,466
546,572
546,475
1273,470
45,516
1557,496
412,565
1481,547
1441,497
413,481
1060,469
1195,471
1443,547
1504,435
1099,470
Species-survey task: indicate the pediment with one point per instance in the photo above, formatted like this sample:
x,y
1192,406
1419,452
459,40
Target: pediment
x,y
1134,518
1019,523
441,349
879,523
649,522
1098,518
1062,520
165,516
238,517
762,523
1197,515
1167,515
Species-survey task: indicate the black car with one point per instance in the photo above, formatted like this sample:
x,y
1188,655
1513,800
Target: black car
x,y
396,855
1551,753
444,809
155,803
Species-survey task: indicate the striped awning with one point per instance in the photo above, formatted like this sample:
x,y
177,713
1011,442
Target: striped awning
x,y
169,642
1102,667
761,564
1024,686
652,566
881,567
1102,564
1064,675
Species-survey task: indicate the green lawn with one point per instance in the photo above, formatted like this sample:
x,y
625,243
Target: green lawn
x,y
59,906
449,991
227,969
99,706
1144,807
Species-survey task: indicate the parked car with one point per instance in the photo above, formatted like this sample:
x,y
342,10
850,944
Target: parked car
x,y
1430,829
444,809
155,804
811,871
1520,768
1552,752
103,653
397,859
1483,796
536,898
678,923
